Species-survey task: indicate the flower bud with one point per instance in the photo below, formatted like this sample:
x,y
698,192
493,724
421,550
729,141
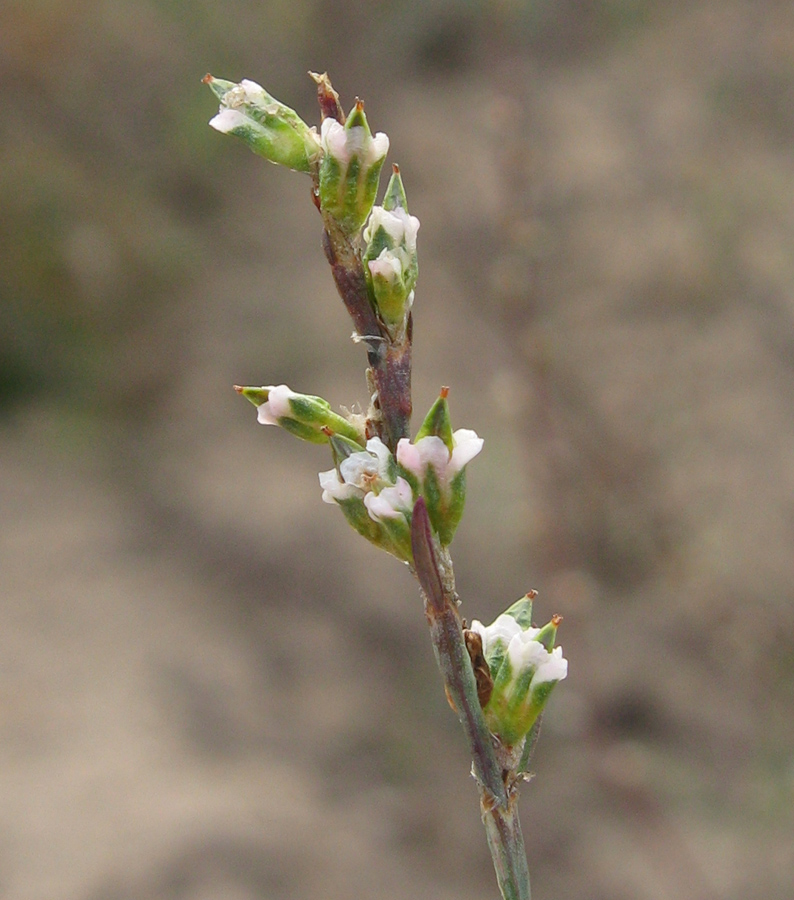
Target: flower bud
x,y
390,257
309,418
270,128
524,668
350,168
374,499
436,465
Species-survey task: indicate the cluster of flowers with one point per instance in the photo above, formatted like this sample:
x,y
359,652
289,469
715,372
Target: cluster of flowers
x,y
524,665
376,489
346,159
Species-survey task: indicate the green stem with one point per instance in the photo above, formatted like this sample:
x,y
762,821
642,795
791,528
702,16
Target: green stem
x,y
498,789
506,843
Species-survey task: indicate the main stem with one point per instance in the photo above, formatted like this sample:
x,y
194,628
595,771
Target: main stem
x,y
389,358
497,784
506,843
390,367
389,361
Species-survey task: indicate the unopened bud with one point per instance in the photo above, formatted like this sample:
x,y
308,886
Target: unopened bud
x,y
270,128
350,168
307,417
390,257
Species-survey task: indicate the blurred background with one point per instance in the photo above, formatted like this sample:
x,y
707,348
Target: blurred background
x,y
209,686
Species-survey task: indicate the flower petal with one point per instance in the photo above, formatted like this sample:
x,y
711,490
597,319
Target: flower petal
x,y
276,406
553,668
334,489
466,446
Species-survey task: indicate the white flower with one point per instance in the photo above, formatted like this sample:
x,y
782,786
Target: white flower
x,y
334,489
466,445
526,653
248,91
400,227
245,94
523,650
276,406
344,143
500,632
391,502
432,451
553,667
359,472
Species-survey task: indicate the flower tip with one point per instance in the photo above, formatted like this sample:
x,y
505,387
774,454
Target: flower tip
x,y
227,120
555,620
395,169
357,118
238,388
207,79
444,392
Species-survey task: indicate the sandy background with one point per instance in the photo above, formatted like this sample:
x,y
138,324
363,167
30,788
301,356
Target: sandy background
x,y
209,687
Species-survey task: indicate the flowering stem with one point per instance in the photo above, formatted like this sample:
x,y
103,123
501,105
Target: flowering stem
x,y
498,800
389,360
508,667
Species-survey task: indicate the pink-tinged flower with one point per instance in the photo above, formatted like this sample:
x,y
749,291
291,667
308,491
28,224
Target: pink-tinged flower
x,y
276,406
391,503
349,169
432,452
374,499
387,265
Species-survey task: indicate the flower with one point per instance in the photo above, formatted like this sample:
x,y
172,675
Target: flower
x,y
344,143
499,633
359,473
396,223
435,464
276,406
307,417
387,265
376,501
525,667
391,502
391,262
270,128
432,452
350,169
